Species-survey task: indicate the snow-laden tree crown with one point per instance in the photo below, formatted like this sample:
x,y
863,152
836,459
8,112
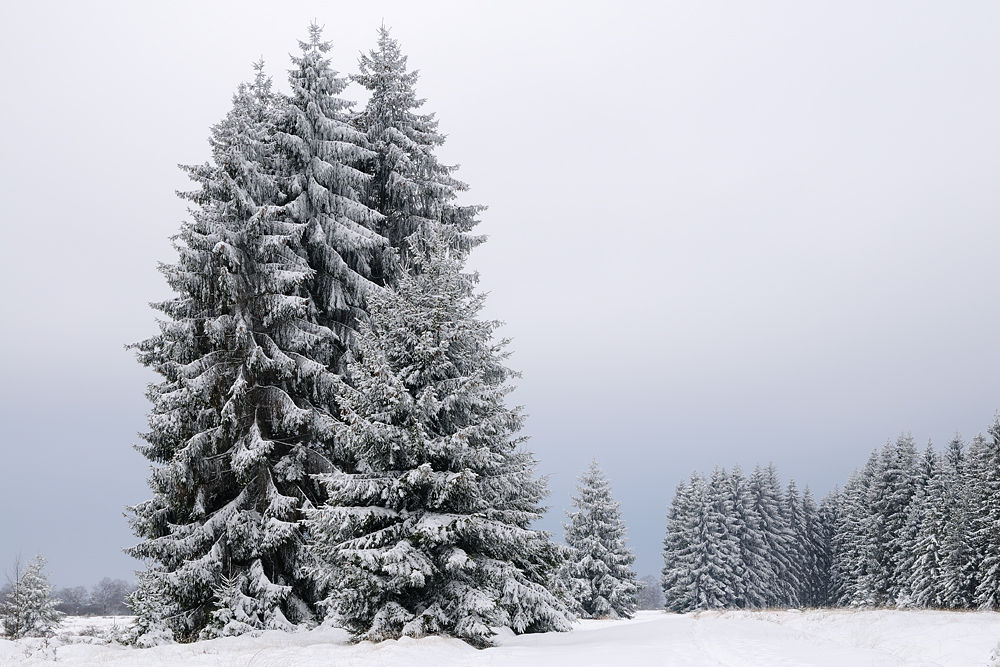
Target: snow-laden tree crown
x,y
409,186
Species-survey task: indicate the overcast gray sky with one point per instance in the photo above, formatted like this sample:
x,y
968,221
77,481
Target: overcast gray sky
x,y
720,232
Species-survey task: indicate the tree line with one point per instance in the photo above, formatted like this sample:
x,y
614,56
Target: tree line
x,y
909,529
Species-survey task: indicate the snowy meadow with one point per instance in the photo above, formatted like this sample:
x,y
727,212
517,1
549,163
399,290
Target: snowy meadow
x,y
820,638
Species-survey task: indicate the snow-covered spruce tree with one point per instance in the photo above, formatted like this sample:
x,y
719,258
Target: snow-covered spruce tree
x,y
756,567
984,493
958,573
765,490
726,565
828,516
916,517
428,530
852,536
243,414
408,185
598,574
29,610
927,576
324,155
798,551
816,568
680,589
152,608
701,554
889,497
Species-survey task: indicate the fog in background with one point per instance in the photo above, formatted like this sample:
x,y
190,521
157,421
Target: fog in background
x,y
718,233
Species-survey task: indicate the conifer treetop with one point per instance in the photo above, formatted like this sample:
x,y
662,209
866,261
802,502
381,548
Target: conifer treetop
x,y
409,185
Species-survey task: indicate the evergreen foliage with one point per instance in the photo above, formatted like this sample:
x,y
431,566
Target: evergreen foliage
x,y
28,609
851,542
324,157
752,586
956,509
983,493
892,488
783,583
927,580
408,185
702,550
246,410
798,548
816,554
598,576
907,530
828,517
427,529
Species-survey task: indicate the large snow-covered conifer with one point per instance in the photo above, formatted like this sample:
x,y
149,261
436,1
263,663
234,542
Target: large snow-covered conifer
x,y
428,529
927,577
851,543
598,575
243,414
816,549
958,585
829,516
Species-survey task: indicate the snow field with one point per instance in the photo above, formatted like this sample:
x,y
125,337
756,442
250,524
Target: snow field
x,y
822,638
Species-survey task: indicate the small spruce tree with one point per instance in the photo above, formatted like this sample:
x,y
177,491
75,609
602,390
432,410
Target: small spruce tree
x,y
29,610
598,575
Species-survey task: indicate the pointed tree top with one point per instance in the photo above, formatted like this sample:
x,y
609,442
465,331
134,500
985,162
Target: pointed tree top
x,y
315,39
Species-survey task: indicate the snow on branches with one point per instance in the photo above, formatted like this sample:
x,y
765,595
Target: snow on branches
x,y
427,531
597,575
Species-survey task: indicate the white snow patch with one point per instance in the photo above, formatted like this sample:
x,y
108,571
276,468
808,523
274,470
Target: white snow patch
x,y
822,638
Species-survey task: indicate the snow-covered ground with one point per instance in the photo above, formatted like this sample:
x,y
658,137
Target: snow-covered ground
x,y
838,638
